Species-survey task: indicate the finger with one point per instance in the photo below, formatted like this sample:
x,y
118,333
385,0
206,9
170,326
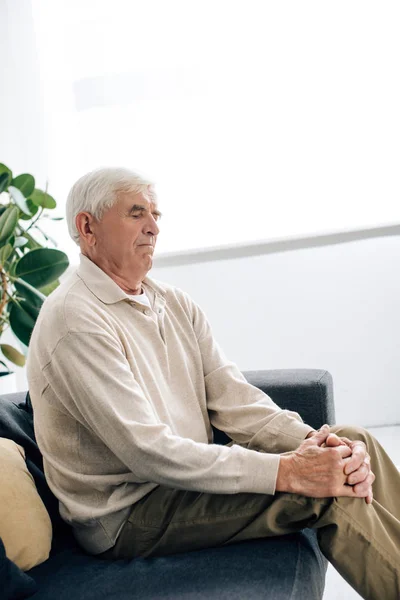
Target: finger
x,y
334,440
365,487
359,445
369,498
358,456
346,440
319,436
359,476
344,452
362,492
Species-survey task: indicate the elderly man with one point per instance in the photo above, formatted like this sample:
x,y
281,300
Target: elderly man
x,y
126,380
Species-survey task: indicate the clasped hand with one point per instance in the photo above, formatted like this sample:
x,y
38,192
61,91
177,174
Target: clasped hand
x,y
326,465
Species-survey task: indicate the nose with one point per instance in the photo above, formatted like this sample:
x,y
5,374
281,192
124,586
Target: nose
x,y
151,227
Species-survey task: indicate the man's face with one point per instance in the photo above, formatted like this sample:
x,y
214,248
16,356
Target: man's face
x,y
126,235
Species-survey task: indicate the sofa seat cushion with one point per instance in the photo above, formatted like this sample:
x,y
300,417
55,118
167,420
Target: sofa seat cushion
x,y
25,525
288,567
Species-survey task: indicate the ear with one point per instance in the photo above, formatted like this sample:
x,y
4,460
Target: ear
x,y
84,222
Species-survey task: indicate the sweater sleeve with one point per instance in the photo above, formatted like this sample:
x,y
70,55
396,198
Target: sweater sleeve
x,y
92,379
242,411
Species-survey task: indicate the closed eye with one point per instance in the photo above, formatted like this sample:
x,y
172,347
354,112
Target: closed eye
x,y
139,211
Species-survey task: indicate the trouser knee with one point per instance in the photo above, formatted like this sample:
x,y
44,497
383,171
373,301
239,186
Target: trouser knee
x,y
352,432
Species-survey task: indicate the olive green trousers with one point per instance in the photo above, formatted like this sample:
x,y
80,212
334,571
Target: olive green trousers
x,y
361,541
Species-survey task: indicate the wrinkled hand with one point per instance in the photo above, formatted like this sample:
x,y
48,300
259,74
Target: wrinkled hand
x,y
357,466
317,468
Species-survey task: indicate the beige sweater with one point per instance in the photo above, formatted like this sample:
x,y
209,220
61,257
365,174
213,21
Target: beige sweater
x,y
124,397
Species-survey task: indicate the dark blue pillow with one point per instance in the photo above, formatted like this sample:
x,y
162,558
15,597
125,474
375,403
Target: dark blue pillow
x,y
16,423
14,583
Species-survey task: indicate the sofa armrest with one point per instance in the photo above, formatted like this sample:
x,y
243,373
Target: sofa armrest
x,y
308,392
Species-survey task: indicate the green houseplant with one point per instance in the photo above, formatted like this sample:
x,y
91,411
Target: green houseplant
x,y
29,268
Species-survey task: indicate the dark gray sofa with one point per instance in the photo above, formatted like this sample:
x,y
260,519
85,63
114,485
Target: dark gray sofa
x,y
288,567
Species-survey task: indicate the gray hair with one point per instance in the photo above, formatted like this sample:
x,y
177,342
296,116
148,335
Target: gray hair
x,y
98,191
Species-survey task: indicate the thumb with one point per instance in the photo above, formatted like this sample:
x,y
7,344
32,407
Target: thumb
x,y
320,436
334,440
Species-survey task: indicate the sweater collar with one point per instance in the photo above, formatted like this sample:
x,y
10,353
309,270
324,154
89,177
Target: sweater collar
x,y
105,288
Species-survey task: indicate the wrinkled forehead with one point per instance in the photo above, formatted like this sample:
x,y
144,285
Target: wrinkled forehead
x,y
146,197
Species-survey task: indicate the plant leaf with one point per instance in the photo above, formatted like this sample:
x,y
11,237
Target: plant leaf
x,y
8,222
41,198
3,373
5,252
25,183
22,323
32,208
20,241
4,181
13,355
30,293
47,289
4,169
41,266
19,199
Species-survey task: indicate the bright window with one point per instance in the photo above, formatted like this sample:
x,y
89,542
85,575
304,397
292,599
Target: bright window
x,y
255,119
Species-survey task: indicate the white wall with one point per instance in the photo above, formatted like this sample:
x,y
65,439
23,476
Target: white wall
x,y
335,307
22,146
